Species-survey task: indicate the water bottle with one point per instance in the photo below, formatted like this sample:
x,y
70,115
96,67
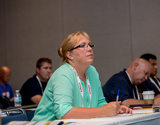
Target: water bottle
x,y
17,99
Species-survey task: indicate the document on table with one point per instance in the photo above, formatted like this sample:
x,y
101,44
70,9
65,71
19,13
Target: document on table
x,y
29,123
119,115
39,123
124,115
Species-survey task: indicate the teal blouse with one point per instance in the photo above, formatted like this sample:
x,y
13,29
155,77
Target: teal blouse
x,y
62,93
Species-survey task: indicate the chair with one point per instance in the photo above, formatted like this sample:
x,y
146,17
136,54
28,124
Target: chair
x,y
29,114
16,114
28,109
4,102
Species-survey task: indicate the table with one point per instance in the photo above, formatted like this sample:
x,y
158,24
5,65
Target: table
x,y
122,119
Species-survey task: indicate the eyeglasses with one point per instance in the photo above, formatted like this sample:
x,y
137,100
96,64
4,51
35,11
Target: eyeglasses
x,y
84,46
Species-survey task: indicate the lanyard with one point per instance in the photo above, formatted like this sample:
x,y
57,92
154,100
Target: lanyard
x,y
157,80
155,83
136,92
133,89
80,85
40,83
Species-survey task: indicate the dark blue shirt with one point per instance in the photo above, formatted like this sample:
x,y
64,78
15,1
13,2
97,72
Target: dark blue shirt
x,y
119,81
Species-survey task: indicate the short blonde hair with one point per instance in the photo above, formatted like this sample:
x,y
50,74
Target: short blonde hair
x,y
69,43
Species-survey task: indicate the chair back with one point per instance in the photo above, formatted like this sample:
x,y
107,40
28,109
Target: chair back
x,y
4,102
16,114
30,114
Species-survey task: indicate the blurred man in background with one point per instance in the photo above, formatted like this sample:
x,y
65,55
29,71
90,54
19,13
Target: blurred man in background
x,y
153,82
32,90
5,88
126,81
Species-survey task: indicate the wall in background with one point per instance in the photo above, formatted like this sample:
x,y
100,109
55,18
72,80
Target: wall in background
x,y
122,30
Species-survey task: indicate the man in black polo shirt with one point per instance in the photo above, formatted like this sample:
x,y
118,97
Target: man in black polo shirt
x,y
32,89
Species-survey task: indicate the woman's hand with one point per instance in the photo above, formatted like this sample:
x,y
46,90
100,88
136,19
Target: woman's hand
x,y
125,109
111,109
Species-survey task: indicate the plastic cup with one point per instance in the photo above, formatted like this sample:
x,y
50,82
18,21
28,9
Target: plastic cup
x,y
148,97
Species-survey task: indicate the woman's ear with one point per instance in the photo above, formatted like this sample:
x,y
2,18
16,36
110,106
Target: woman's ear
x,y
69,55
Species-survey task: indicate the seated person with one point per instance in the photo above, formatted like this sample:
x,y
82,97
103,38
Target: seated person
x,y
74,90
126,81
5,88
153,82
32,89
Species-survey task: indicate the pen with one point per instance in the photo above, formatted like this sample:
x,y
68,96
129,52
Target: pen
x,y
60,123
48,123
117,96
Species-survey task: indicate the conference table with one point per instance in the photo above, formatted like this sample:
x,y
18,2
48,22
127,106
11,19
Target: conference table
x,y
121,119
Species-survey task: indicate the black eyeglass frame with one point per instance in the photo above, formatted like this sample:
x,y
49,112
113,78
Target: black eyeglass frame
x,y
82,46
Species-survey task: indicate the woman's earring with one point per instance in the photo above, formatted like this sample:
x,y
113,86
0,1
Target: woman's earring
x,y
72,60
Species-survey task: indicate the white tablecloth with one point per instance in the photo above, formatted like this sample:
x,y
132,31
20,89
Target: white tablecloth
x,y
124,119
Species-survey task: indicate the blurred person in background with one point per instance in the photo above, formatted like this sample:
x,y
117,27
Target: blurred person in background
x,y
153,82
32,90
126,81
5,88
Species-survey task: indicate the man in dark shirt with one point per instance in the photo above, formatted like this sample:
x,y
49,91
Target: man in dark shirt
x,y
126,81
32,89
153,82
